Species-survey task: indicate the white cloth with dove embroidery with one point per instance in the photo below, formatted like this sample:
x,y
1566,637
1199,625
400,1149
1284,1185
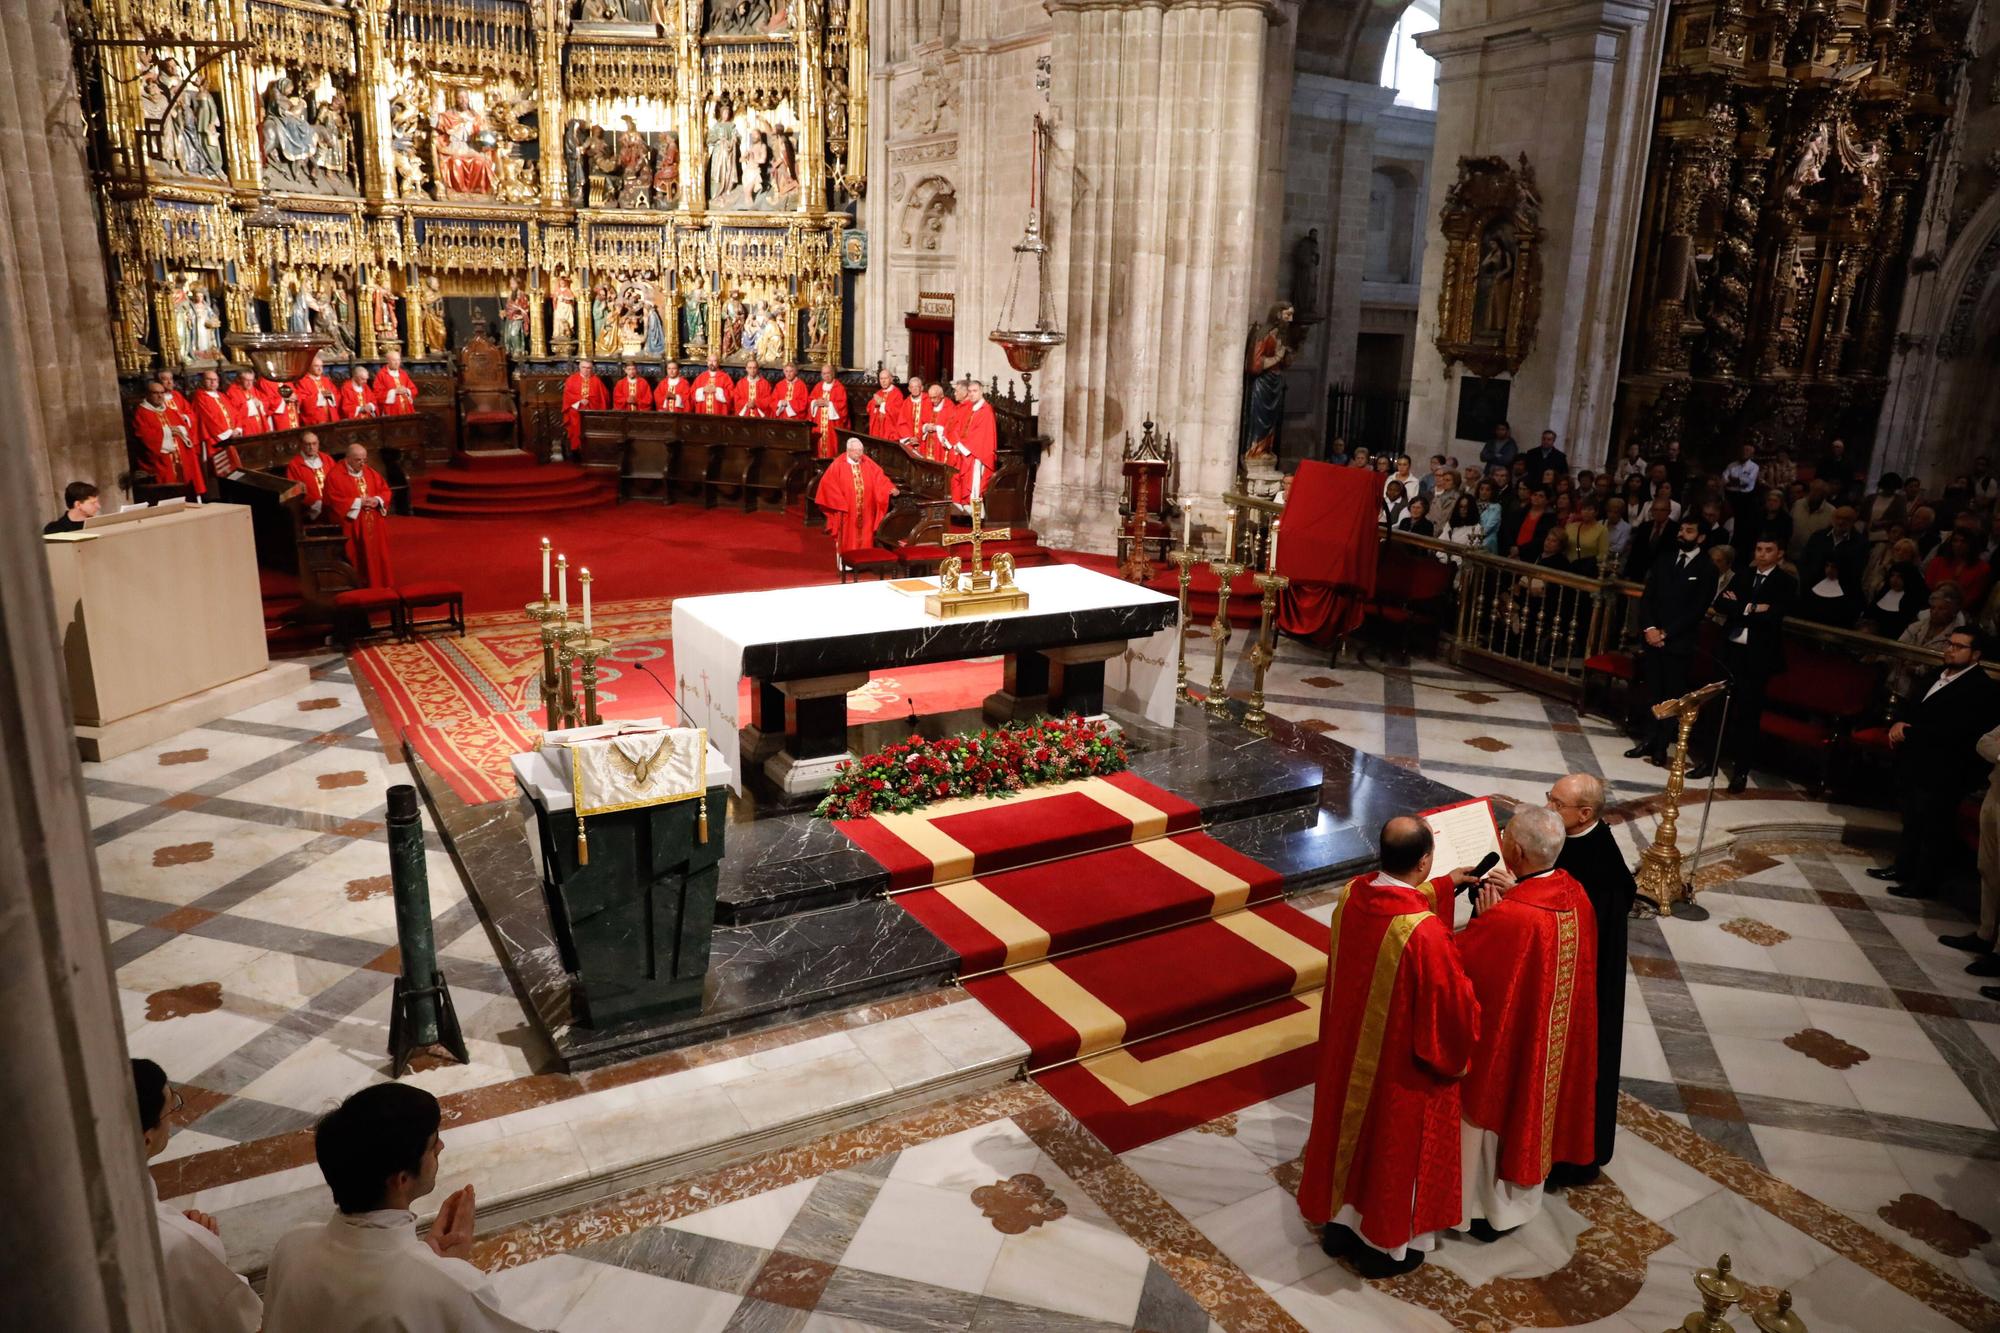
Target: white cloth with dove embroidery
x,y
638,768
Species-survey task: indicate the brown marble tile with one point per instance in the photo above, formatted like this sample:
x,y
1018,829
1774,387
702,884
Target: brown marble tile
x,y
1925,1002
357,828
1716,1103
173,757
317,705
1398,710
791,1280
195,1103
182,854
1487,744
1478,697
373,886
1319,726
200,1171
390,960
1647,965
1755,931
495,1099
1829,1050
1222,1125
1019,1203
182,918
184,800
1842,898
201,997
1935,1225
1949,1295
1321,682
1566,728
353,777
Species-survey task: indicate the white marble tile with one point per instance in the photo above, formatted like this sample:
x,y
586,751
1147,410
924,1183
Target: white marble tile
x,y
1668,1294
1334,1300
968,1034
1642,1055
227,848
759,1221
1276,1130
1267,1238
104,809
1841,1294
1968,1186
544,1292
1772,1069
1763,1249
1880,1032
188,1142
1655,1182
286,712
220,754
769,1097
1748,1013
318,1074
968,1159
900,1050
1802,921
331,780
620,1300
926,1234
657,1127
821,1322
1920,1089
1198,1173
1847,1173
345,893
800,1052
511,1165
187,1046
1079,1266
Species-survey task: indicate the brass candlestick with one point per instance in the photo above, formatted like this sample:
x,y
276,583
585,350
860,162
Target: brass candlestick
x,y
587,650
1659,875
1719,1291
566,644
548,616
1183,562
1224,571
1263,652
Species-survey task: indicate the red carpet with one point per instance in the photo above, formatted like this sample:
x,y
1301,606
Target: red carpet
x,y
1153,973
499,486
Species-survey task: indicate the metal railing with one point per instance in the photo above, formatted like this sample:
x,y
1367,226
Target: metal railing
x,y
1378,421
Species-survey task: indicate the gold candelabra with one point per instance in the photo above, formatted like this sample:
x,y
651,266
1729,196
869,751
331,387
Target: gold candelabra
x,y
1264,651
550,617
1184,560
1660,878
1224,571
1720,1290
569,652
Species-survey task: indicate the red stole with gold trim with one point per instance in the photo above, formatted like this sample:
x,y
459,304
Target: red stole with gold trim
x,y
1533,962
1396,1033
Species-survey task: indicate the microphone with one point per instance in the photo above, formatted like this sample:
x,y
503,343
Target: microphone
x,y
663,689
1486,863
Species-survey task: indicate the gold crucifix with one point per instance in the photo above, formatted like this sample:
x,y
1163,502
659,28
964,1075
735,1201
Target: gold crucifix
x,y
979,579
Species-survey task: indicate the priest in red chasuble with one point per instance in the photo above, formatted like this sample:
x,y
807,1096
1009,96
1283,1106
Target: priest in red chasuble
x,y
359,498
394,389
215,421
310,469
253,415
888,410
283,411
978,441
172,456
1397,1028
1530,1099
582,392
788,395
714,390
632,393
674,393
357,396
753,395
166,379
828,411
855,493
319,401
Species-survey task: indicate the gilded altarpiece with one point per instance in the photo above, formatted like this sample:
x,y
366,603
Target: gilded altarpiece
x,y
1789,157
642,179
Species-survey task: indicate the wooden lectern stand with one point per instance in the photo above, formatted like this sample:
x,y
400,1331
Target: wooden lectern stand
x,y
162,624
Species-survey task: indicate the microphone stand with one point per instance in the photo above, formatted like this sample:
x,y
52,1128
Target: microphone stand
x,y
1714,772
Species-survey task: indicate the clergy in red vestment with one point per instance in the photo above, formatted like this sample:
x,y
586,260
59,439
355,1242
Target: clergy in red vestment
x,y
246,399
1398,1022
395,391
166,379
633,393
172,457
928,418
310,469
1530,1099
788,395
888,410
283,411
582,392
359,498
978,441
215,420
855,493
753,393
319,401
714,391
674,393
828,410
357,396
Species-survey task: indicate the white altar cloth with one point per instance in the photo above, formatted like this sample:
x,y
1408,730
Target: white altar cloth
x,y
711,635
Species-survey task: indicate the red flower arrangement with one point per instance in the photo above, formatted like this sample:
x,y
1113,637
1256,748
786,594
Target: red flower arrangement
x,y
997,762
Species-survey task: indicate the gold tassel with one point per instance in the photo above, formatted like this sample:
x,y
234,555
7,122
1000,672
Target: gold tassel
x,y
703,824
582,843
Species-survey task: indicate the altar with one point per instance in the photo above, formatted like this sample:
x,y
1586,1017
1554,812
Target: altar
x,y
1086,640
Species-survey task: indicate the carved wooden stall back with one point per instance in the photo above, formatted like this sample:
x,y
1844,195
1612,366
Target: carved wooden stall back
x,y
674,456
489,412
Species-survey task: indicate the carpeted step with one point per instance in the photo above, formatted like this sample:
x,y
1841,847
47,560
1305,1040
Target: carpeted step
x,y
955,840
1095,1001
1019,916
513,485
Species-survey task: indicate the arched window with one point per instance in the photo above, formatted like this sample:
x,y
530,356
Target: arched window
x,y
1404,66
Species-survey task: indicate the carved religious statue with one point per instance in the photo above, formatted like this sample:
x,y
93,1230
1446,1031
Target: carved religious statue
x,y
1269,356
1305,276
437,334
563,326
1490,297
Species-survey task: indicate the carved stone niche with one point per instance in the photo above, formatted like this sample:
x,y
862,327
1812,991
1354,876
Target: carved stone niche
x,y
1491,296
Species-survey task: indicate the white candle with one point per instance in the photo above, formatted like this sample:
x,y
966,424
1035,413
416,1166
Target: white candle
x,y
978,482
1187,522
562,583
1273,566
1229,538
545,569
585,579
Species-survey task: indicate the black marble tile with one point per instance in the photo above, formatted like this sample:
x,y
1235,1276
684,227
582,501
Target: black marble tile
x,y
952,641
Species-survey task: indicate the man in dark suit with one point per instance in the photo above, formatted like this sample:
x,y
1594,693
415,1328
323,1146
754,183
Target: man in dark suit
x,y
1935,736
1679,588
1545,456
1653,535
1753,610
1843,546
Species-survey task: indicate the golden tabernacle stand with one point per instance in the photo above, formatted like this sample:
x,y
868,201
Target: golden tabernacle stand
x,y
1660,879
977,591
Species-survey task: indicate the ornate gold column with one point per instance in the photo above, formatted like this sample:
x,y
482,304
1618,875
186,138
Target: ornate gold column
x,y
371,58
538,289
551,27
236,81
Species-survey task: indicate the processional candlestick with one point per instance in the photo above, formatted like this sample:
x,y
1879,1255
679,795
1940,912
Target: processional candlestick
x,y
1660,868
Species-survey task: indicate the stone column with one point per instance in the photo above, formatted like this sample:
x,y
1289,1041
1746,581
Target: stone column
x,y
55,271
1155,202
77,1232
1572,86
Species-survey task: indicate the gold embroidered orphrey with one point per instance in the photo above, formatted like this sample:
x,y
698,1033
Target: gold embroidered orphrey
x,y
1491,294
629,772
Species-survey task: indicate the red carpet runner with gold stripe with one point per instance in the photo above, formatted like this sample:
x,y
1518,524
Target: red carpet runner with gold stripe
x,y
1155,974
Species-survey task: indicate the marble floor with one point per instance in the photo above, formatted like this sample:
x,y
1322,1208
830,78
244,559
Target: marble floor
x,y
1808,1042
